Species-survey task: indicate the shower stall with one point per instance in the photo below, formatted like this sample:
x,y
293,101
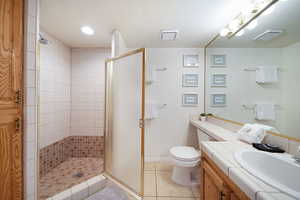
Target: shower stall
x,y
70,114
125,115
90,115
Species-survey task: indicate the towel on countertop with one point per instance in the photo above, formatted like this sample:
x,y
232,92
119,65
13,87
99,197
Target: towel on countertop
x,y
267,74
265,111
267,128
251,133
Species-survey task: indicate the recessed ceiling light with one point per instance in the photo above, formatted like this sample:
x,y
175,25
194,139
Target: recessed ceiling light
x,y
87,30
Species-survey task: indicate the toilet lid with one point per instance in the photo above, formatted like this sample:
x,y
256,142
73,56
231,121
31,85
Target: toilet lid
x,y
185,153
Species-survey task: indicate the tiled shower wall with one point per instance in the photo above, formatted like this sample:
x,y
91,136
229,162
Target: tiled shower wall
x,y
55,91
30,101
88,90
73,146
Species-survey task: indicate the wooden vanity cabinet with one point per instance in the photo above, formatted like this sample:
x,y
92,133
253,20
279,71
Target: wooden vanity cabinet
x,y
215,185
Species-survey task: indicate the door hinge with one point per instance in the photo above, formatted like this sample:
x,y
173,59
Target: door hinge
x,y
141,123
222,195
18,97
18,124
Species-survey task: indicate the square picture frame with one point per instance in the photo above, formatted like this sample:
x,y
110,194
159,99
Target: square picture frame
x,y
190,99
191,61
218,100
218,80
190,80
218,61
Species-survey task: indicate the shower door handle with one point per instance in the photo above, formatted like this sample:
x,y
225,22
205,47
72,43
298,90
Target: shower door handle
x,y
141,123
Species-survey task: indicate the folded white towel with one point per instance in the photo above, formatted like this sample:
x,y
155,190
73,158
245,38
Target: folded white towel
x,y
266,127
265,111
251,133
267,74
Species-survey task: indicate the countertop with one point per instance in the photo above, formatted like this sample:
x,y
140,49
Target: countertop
x,y
222,153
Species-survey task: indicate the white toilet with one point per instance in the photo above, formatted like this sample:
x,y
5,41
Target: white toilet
x,y
185,159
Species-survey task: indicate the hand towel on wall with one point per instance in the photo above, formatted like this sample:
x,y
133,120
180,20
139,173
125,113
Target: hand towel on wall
x,y
265,111
151,110
267,74
151,78
251,134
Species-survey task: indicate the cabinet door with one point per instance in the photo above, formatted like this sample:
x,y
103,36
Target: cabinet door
x,y
11,40
211,191
213,186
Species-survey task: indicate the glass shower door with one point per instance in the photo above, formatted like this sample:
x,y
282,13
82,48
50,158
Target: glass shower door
x,y
124,132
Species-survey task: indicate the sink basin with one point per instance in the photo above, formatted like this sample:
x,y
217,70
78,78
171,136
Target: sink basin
x,y
277,170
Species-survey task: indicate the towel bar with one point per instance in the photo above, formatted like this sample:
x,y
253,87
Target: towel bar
x,y
252,107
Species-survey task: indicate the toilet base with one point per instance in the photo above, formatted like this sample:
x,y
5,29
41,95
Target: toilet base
x,y
183,175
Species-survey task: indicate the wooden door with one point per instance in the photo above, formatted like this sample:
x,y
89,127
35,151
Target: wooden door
x,y
213,187
233,196
11,50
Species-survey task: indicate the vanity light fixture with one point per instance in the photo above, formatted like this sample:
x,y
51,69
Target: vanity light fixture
x,y
87,30
224,32
247,17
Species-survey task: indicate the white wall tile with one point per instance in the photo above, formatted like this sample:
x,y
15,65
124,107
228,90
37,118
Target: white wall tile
x,y
30,99
30,111
88,93
30,114
30,60
55,91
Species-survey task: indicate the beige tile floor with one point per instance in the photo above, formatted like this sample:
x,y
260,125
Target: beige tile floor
x,y
159,186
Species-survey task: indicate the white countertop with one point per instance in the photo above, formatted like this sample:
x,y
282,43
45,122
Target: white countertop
x,y
222,153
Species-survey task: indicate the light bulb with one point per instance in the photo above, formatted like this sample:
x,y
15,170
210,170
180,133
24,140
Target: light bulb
x,y
240,33
224,32
252,25
269,10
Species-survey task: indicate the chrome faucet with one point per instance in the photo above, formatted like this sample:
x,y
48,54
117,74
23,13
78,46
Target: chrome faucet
x,y
297,157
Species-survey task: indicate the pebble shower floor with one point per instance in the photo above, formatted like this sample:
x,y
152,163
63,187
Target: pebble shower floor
x,y
69,173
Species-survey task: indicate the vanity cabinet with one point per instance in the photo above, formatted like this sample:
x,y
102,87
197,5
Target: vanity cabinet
x,y
215,185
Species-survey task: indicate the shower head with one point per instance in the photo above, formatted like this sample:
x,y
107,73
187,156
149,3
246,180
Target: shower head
x,y
43,40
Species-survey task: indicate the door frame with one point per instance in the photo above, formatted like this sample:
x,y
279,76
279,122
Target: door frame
x,y
107,118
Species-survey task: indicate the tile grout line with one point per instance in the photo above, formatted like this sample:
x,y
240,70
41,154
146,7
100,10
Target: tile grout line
x,y
155,182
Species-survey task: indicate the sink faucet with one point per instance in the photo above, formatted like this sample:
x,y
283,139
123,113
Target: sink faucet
x,y
297,157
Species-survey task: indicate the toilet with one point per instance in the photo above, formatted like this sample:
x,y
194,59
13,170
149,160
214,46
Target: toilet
x,y
184,159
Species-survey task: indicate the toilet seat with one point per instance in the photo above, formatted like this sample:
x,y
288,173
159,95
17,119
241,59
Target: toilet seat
x,y
185,153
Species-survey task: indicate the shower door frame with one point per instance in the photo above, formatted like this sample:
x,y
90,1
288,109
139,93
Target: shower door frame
x,y
108,116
